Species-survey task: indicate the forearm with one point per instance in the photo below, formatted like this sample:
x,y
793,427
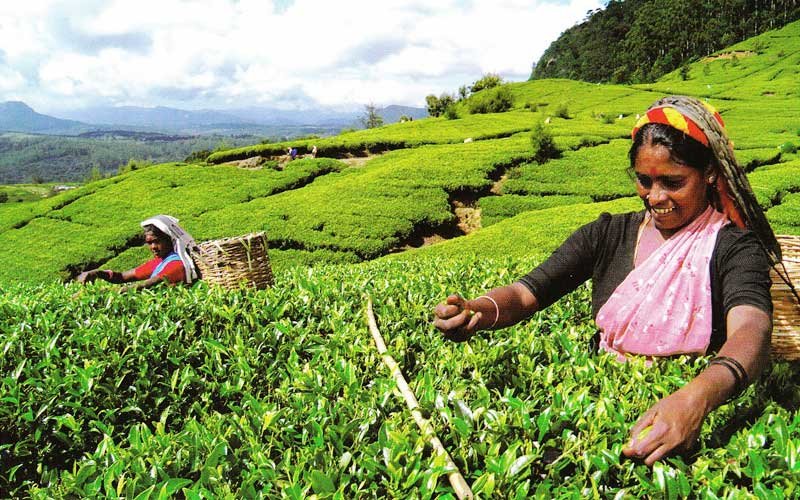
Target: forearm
x,y
110,276
748,344
505,306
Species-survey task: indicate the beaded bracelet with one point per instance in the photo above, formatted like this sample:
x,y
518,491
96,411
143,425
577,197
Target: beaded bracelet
x,y
736,369
496,309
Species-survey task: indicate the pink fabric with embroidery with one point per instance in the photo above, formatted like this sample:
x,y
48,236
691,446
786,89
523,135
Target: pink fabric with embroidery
x,y
663,307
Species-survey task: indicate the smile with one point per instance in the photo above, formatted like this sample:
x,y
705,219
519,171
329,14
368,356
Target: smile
x,y
662,211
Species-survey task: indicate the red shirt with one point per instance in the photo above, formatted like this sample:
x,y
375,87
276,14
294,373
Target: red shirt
x,y
173,271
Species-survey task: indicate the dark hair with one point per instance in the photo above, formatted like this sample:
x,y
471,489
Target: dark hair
x,y
161,235
683,148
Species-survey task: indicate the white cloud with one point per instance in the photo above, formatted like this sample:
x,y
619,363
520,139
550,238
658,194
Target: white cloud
x,y
218,53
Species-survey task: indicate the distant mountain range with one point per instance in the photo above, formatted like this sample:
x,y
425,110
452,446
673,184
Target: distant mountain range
x,y
17,116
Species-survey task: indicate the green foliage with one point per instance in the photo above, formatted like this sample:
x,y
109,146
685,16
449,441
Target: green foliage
x,y
198,392
487,81
543,145
100,220
94,174
376,207
496,100
267,393
787,213
771,183
607,119
562,111
532,106
24,158
133,165
451,113
497,208
345,231
788,147
371,118
17,193
202,155
598,172
635,41
438,105
394,136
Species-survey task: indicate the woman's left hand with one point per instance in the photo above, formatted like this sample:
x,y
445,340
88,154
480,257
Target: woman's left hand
x,y
674,424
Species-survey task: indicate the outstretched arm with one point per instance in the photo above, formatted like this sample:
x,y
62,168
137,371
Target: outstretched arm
x,y
149,282
106,275
458,319
675,421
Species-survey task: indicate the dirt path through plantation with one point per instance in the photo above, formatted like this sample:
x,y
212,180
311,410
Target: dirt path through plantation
x,y
359,161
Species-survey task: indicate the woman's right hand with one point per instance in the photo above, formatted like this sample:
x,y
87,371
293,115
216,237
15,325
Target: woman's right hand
x,y
455,320
87,276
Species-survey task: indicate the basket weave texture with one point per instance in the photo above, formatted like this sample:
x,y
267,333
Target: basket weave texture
x,y
235,262
786,310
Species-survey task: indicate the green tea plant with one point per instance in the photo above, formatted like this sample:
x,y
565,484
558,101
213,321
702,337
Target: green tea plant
x,y
204,392
498,208
598,172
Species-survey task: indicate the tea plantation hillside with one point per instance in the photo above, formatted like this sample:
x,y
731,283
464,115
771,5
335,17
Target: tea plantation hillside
x,y
205,393
407,195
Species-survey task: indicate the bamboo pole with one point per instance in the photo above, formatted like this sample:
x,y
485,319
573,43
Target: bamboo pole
x,y
457,481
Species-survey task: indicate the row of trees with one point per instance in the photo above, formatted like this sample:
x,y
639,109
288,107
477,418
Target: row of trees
x,y
635,41
444,104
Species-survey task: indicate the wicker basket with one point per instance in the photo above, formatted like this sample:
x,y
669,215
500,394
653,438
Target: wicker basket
x,y
786,315
235,262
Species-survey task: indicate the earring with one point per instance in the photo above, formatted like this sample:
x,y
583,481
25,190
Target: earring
x,y
712,179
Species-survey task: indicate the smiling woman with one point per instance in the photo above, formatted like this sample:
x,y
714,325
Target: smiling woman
x,y
683,276
171,262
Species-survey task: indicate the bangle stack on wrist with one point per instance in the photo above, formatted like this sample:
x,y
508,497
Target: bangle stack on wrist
x,y
736,369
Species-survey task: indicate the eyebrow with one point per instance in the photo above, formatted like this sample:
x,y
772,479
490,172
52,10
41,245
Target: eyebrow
x,y
667,177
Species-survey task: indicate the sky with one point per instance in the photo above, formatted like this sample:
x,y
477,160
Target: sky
x,y
58,55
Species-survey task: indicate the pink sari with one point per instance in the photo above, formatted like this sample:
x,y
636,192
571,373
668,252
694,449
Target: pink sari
x,y
663,307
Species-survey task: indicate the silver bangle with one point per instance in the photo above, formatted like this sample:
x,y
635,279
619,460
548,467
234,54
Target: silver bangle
x,y
496,309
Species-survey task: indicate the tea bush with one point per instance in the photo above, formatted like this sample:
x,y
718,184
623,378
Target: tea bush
x,y
497,208
208,393
543,145
495,100
598,172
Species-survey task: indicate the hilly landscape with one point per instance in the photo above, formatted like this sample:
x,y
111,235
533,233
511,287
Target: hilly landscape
x,y
39,148
202,392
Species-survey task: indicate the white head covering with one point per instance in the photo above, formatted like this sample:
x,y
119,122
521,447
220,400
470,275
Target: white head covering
x,y
182,242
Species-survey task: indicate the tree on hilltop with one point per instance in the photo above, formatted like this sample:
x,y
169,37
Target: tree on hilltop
x,y
438,105
371,118
487,81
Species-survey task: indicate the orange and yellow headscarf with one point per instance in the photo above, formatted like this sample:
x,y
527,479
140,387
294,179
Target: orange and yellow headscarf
x,y
671,116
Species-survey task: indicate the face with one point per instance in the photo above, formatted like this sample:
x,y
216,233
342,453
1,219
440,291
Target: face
x,y
159,247
674,193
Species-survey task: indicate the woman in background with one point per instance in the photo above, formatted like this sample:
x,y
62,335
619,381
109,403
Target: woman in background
x,y
171,262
